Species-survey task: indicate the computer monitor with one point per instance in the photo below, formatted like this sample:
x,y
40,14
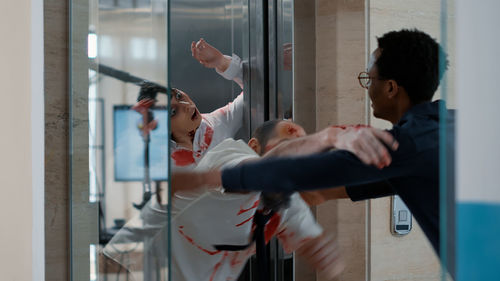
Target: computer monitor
x,y
129,145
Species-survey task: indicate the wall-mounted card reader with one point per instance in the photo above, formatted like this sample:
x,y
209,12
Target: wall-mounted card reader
x,y
400,217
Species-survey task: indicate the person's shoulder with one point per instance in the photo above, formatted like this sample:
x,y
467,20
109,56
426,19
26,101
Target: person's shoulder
x,y
230,144
228,151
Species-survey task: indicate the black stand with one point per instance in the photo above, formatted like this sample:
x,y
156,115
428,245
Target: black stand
x,y
148,90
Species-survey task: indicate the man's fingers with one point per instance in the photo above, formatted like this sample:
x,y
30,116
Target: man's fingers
x,y
329,259
312,246
378,153
361,153
198,44
334,270
322,256
368,145
201,44
386,137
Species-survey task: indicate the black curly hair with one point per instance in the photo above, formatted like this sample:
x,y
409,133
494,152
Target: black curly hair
x,y
412,58
266,131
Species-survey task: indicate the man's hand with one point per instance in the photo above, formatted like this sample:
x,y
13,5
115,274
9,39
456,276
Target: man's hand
x,y
312,198
317,197
209,56
368,144
323,254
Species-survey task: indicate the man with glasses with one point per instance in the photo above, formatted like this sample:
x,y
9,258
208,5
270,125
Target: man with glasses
x,y
402,77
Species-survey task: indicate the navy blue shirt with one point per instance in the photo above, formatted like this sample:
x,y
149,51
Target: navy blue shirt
x,y
413,173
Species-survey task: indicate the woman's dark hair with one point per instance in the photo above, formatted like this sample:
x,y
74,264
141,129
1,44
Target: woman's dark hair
x,y
412,58
265,132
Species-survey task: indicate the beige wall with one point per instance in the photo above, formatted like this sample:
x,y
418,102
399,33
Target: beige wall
x,y
330,52
15,143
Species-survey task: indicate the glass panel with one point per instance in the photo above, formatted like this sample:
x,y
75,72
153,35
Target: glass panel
x,y
477,134
119,142
285,58
477,195
126,127
447,142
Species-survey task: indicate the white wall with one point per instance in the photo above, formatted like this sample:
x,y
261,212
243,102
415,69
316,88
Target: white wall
x,y
21,163
478,99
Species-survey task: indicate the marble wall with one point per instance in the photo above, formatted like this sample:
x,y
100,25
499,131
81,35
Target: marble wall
x,y
329,54
56,41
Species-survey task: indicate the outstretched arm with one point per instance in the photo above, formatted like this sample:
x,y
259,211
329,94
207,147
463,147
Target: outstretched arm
x,y
319,141
210,57
368,144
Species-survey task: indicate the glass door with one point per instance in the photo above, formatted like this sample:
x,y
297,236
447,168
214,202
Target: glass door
x,y
119,140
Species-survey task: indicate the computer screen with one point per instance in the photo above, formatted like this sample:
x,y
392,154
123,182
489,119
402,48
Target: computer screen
x,y
129,145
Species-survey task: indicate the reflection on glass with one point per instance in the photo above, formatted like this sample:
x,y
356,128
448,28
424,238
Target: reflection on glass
x,y
285,58
128,167
93,262
447,145
128,141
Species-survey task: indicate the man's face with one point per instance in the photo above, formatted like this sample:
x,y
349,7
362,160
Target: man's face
x,y
378,88
184,116
284,130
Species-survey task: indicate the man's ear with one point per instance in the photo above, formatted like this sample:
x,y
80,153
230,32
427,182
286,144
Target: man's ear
x,y
392,88
255,145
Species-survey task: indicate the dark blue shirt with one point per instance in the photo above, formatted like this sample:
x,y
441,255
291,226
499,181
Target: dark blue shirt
x,y
413,173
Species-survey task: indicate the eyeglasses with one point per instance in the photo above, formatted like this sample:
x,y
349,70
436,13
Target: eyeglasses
x,y
365,80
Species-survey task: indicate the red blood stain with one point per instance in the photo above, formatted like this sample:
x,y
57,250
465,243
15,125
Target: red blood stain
x,y
245,221
284,235
358,126
282,232
191,241
271,227
207,140
242,210
291,130
183,157
361,126
235,261
343,127
223,110
216,267
209,133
